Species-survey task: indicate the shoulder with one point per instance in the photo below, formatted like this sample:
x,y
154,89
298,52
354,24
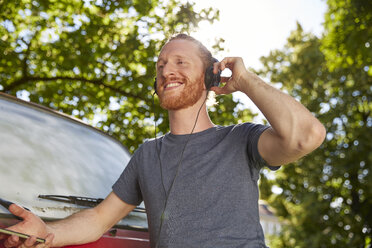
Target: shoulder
x,y
242,134
151,143
247,129
148,147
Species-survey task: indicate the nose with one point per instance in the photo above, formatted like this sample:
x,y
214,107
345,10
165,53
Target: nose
x,y
168,70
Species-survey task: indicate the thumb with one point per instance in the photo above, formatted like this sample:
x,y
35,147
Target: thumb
x,y
19,211
217,90
226,89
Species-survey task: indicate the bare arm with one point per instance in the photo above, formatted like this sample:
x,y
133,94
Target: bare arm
x,y
89,225
83,227
294,131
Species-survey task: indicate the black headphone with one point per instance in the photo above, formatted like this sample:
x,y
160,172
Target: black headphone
x,y
210,79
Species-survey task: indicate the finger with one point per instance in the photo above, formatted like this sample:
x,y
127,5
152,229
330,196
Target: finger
x,y
12,241
229,62
223,65
48,241
215,67
218,66
226,89
29,242
225,79
219,90
19,211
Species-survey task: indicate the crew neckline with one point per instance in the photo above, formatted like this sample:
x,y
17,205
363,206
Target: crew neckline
x,y
198,134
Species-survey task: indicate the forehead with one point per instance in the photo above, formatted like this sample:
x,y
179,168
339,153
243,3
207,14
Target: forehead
x,y
179,48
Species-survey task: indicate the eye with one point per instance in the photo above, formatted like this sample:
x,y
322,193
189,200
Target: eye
x,y
181,63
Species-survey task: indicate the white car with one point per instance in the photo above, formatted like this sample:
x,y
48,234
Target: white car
x,y
55,165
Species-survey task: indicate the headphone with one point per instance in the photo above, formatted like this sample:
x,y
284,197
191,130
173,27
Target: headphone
x,y
210,79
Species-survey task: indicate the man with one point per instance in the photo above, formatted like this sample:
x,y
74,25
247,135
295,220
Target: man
x,y
198,182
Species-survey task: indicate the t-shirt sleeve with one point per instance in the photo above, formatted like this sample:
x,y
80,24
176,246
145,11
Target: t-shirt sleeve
x,y
127,187
254,133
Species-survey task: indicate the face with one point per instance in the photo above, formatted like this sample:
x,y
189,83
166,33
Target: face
x,y
180,77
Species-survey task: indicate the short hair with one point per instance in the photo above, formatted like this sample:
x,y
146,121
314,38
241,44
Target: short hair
x,y
205,54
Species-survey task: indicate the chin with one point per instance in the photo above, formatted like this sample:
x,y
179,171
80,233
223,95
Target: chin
x,y
187,98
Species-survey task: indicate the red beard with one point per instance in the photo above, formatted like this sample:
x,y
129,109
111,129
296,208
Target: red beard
x,y
186,98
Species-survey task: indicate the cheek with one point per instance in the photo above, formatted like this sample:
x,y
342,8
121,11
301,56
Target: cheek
x,y
195,75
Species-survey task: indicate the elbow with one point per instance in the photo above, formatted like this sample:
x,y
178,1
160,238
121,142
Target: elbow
x,y
311,138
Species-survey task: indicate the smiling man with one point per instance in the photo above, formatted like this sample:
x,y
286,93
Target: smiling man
x,y
182,89
199,181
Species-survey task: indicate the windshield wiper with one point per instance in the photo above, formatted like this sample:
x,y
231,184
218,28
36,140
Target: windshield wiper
x,y
81,201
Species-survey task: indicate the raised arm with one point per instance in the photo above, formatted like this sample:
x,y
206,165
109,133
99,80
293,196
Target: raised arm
x,y
83,227
294,131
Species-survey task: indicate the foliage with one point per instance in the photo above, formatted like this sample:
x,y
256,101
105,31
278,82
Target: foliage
x,y
326,197
93,59
348,40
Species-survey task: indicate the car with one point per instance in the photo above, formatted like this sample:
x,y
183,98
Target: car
x,y
55,165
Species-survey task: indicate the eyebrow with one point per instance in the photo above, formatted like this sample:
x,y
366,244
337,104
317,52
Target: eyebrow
x,y
159,60
176,56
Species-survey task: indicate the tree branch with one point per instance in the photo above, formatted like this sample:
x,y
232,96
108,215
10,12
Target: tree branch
x,y
98,82
26,54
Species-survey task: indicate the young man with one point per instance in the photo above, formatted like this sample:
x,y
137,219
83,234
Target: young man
x,y
198,182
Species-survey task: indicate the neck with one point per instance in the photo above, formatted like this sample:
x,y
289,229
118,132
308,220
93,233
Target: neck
x,y
182,121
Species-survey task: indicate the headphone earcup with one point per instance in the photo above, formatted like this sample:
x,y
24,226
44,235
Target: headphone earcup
x,y
211,79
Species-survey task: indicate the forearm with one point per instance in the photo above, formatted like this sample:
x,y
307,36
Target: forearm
x,y
89,225
79,228
83,227
294,125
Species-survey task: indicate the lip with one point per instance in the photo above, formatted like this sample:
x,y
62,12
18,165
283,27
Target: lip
x,y
172,85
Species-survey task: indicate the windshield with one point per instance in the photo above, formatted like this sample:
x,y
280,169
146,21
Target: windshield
x,y
42,152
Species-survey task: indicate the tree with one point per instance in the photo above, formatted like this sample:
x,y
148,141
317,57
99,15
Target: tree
x,y
325,198
94,60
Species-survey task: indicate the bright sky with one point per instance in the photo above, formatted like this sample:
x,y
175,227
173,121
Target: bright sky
x,y
252,28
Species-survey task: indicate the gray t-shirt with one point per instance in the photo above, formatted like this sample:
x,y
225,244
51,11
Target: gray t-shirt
x,y
214,199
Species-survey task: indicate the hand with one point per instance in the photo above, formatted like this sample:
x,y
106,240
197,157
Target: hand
x,y
238,76
31,225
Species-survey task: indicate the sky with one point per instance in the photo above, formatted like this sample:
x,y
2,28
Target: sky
x,y
252,28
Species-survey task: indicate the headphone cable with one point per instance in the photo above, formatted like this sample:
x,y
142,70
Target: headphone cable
x,y
178,165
